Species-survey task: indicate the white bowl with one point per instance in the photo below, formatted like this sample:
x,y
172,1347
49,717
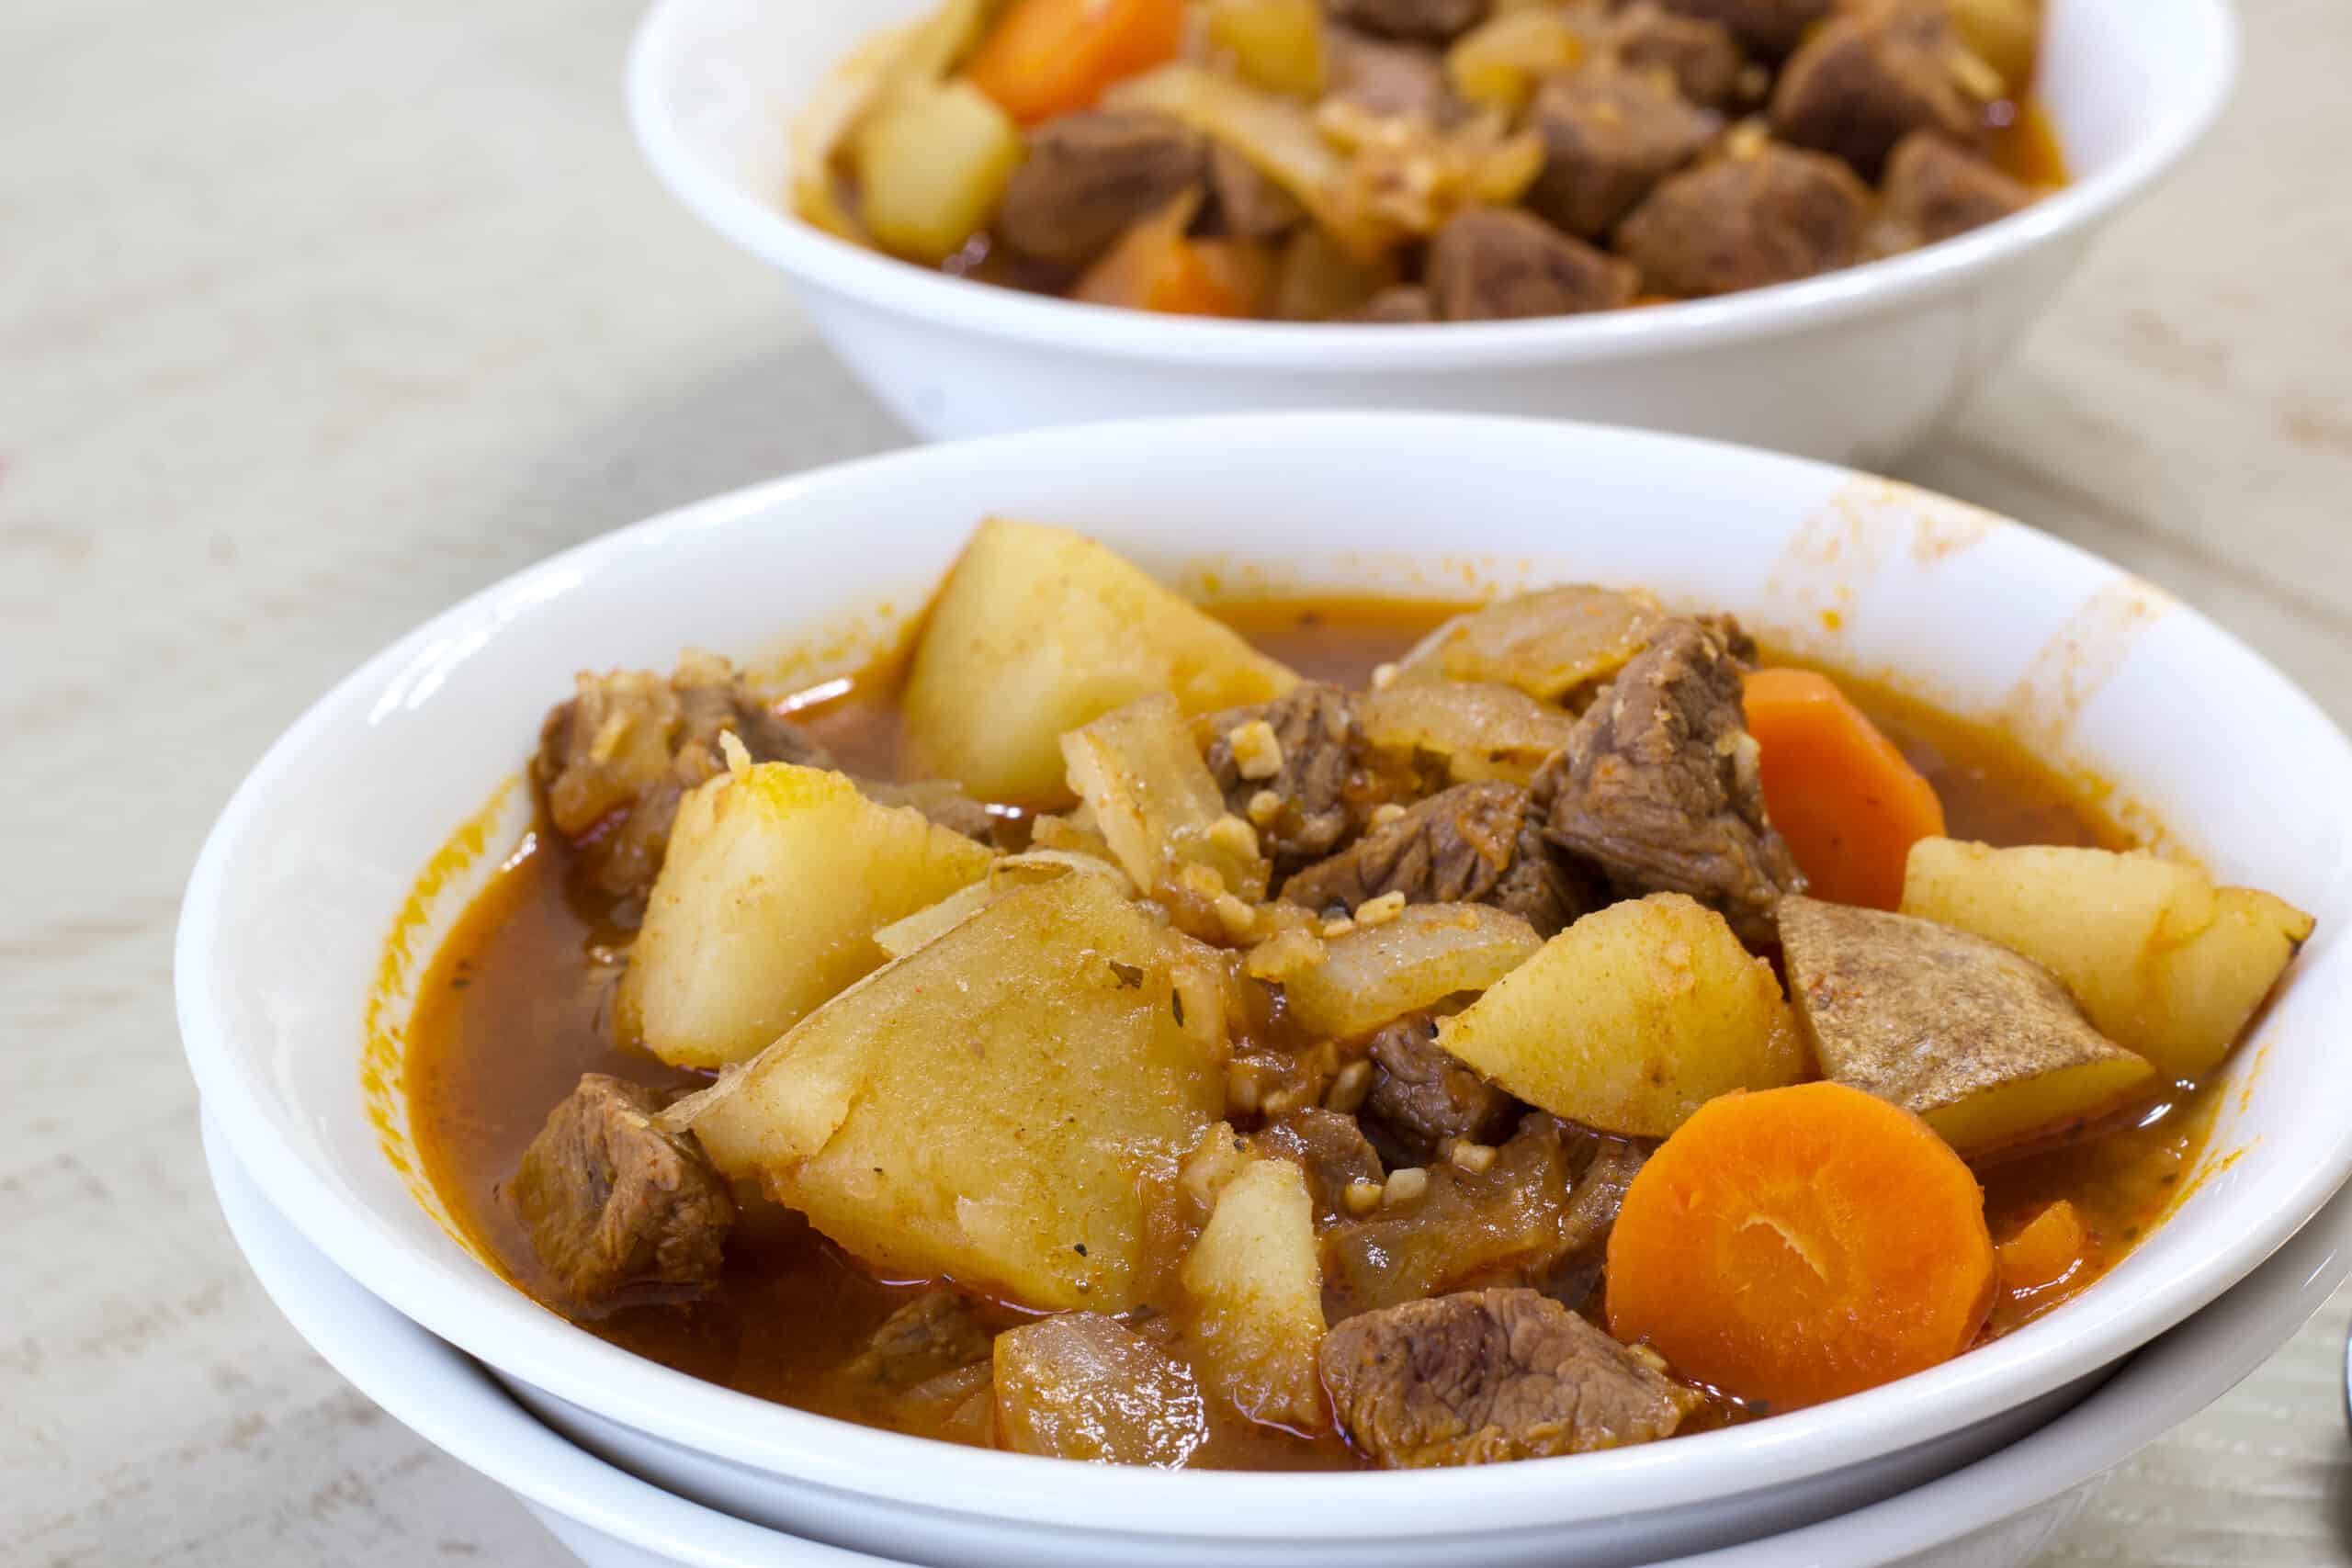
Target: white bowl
x,y
287,911
1853,366
1996,1514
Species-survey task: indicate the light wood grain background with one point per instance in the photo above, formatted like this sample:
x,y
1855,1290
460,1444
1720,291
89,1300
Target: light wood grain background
x,y
316,317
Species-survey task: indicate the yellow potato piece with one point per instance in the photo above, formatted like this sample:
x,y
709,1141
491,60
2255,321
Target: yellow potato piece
x,y
1040,630
2166,966
1982,1045
1631,1019
931,165
776,880
1255,1283
995,1106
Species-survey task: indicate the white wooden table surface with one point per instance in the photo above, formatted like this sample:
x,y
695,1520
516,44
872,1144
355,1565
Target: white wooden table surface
x,y
316,317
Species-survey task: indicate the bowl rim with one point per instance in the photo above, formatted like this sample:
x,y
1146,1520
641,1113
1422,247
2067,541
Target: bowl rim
x,y
486,1316
458,1407
772,232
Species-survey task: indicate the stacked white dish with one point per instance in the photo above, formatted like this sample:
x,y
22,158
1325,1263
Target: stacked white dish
x,y
287,915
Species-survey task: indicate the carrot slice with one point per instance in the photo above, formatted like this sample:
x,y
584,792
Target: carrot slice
x,y
1052,57
1839,791
2046,1250
1154,266
1799,1244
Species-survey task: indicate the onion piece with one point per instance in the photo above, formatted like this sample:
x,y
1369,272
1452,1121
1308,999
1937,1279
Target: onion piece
x,y
1429,952
1546,644
1482,729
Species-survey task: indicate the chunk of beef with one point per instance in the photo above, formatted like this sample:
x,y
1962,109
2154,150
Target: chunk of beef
x,y
1658,786
1425,21
614,760
1492,264
1744,222
1609,136
1421,1097
1486,1376
1395,81
936,1332
613,1201
1876,73
941,800
1089,177
1590,1215
1699,56
1249,205
1322,786
1403,304
1936,188
1471,844
1767,28
1330,1148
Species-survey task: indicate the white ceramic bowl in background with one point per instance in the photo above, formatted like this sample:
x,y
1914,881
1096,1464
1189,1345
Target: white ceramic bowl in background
x,y
287,914
1995,1514
1853,366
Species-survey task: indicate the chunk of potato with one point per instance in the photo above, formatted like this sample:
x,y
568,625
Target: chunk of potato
x,y
1155,801
1482,729
1080,1386
1631,1019
994,1106
776,880
1547,643
1982,1045
2005,34
2167,965
1039,630
931,165
1255,1287
1429,952
1498,62
1278,44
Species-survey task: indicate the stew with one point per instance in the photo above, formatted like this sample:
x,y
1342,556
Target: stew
x,y
1415,161
1338,1034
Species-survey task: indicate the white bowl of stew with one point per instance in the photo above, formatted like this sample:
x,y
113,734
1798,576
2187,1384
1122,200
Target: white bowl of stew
x,y
1851,366
396,801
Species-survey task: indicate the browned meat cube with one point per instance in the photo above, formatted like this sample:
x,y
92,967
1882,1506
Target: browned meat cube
x,y
1426,22
614,760
1474,843
1397,81
1487,1376
1768,27
1700,57
1876,74
1609,136
1089,177
1330,1148
1405,304
932,1334
1490,264
1321,788
1421,1097
612,1201
1658,786
1936,188
1249,205
1745,222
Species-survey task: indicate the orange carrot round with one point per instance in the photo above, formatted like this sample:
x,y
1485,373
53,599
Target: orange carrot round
x,y
1053,57
1839,791
1799,1244
2046,1250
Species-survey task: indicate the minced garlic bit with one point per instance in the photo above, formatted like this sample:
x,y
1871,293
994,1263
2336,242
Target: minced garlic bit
x,y
1200,881
1265,808
1647,1357
1257,752
1473,1157
738,755
1385,814
1747,139
1403,1186
1243,1089
1239,920
1338,926
1381,910
1284,954
1383,677
1234,836
1286,1100
1362,1196
1348,1088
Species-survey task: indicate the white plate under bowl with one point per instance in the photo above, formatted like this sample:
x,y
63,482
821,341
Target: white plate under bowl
x,y
1996,1514
284,926
1854,365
